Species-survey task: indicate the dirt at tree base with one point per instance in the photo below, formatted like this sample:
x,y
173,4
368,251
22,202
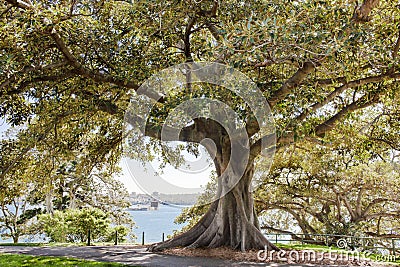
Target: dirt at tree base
x,y
320,258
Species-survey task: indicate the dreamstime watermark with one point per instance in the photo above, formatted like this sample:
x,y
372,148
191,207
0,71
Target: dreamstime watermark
x,y
310,255
344,244
175,124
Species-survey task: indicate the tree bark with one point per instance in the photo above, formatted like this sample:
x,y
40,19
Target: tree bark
x,y
231,219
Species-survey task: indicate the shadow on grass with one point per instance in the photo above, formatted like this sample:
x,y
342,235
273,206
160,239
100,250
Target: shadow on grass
x,y
56,244
8,260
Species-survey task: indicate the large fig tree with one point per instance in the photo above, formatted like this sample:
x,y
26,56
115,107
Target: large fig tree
x,y
67,67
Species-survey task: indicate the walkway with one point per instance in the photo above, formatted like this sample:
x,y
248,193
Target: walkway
x,y
132,256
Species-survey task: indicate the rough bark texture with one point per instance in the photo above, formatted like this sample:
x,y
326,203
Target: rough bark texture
x,y
362,13
231,220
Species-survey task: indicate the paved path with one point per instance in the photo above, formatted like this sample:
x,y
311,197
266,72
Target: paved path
x,y
131,256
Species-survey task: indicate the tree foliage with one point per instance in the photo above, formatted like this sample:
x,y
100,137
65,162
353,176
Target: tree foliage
x,y
73,225
331,191
55,186
68,66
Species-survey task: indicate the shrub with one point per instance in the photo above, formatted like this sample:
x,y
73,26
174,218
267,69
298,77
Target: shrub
x,y
72,225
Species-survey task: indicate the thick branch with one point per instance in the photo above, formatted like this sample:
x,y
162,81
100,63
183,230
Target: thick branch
x,y
359,199
191,133
394,214
373,203
383,235
267,142
304,225
97,76
210,26
186,134
186,39
362,13
364,101
344,87
20,4
213,30
72,60
349,208
292,83
331,81
396,47
53,78
361,103
28,69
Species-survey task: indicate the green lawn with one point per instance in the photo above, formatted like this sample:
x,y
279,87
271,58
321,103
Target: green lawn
x,y
304,246
18,260
57,244
51,244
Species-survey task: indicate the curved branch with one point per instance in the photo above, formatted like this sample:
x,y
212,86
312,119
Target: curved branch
x,y
53,78
362,13
372,204
267,142
292,83
186,39
20,4
28,69
344,87
361,103
394,214
97,76
191,133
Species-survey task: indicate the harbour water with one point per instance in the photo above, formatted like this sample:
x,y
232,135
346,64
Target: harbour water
x,y
156,222
152,222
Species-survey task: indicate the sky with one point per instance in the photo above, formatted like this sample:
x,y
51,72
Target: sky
x,y
170,180
3,127
149,179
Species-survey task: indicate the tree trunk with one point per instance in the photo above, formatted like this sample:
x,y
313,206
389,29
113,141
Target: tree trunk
x,y
15,239
49,202
231,219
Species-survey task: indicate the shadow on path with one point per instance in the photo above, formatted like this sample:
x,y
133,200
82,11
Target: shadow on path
x,y
130,255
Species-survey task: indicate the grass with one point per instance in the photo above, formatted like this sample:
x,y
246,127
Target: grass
x,y
305,246
14,260
51,244
57,244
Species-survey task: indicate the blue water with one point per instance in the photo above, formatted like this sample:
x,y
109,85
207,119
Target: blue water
x,y
152,222
155,222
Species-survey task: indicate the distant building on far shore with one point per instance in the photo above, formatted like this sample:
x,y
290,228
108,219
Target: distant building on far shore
x,y
154,205
174,199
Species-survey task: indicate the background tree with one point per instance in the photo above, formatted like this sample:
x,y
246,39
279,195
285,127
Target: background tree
x,y
331,192
68,66
15,218
72,225
15,208
42,183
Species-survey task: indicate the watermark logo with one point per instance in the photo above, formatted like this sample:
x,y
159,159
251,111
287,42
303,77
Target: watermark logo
x,y
170,125
386,258
333,256
342,243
